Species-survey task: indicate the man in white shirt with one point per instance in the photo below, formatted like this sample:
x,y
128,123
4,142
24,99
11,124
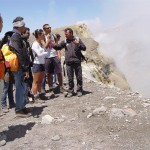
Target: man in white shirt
x,y
52,62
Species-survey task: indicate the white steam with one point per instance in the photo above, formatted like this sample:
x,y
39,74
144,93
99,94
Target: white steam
x,y
128,43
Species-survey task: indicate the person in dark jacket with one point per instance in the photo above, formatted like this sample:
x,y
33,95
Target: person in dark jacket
x,y
25,37
73,46
17,44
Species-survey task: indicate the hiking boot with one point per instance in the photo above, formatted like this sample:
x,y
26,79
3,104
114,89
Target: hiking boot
x,y
23,113
25,110
69,95
79,94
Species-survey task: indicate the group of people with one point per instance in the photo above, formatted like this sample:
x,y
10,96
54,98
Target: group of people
x,y
39,62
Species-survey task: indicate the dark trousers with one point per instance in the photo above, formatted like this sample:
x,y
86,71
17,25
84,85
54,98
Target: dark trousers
x,y
77,69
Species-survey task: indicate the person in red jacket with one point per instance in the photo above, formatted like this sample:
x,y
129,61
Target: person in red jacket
x,y
1,65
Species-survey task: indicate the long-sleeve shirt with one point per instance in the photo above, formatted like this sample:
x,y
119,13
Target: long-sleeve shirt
x,y
39,53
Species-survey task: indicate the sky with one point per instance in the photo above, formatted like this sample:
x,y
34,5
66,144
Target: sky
x,y
57,13
122,28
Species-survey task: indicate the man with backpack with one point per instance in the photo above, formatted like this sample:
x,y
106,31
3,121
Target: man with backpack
x,y
73,57
21,75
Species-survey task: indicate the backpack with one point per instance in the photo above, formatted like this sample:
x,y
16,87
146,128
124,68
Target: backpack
x,y
3,64
9,54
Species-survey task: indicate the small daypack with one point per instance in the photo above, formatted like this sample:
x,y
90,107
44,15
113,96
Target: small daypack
x,y
9,53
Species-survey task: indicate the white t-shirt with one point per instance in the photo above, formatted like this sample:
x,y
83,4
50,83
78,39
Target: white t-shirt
x,y
51,51
39,53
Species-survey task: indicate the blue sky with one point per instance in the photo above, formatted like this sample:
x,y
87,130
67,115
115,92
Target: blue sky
x,y
58,13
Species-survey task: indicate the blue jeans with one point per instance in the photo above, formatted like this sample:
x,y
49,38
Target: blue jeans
x,y
44,80
21,90
1,91
8,89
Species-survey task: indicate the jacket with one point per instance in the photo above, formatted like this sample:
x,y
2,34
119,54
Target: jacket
x,y
72,51
16,43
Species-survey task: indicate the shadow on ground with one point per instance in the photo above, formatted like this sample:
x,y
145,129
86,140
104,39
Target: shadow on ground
x,y
86,92
15,132
37,111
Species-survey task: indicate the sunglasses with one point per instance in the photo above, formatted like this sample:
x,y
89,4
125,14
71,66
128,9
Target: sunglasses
x,y
47,28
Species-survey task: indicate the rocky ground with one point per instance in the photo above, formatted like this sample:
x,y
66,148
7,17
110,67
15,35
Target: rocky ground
x,y
104,118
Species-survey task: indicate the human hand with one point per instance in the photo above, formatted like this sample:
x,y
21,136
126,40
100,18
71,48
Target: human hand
x,y
26,75
48,36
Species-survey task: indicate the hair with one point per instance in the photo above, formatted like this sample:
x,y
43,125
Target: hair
x,y
18,19
45,25
69,29
57,35
1,19
27,29
37,32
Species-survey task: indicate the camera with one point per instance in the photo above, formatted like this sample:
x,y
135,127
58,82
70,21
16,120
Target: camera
x,y
70,40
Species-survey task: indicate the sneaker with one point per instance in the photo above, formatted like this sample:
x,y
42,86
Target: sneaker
x,y
36,98
55,85
43,97
31,100
69,95
5,110
11,106
52,95
79,94
62,90
43,91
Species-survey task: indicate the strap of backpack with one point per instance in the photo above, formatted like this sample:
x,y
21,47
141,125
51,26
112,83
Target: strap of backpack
x,y
83,58
64,68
